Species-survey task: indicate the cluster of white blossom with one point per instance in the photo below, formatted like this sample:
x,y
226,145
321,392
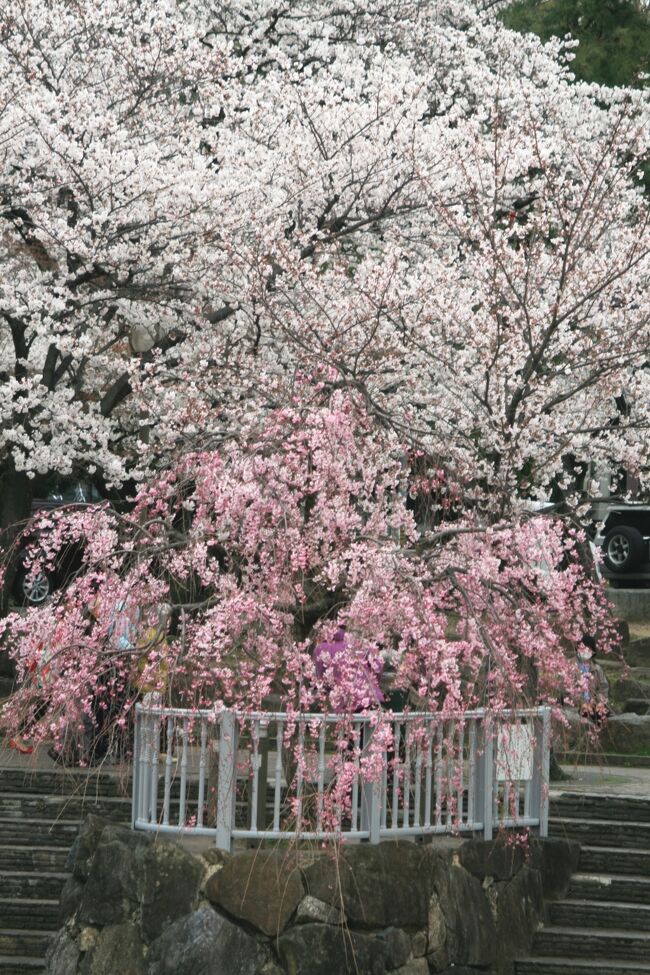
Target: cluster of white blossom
x,y
200,207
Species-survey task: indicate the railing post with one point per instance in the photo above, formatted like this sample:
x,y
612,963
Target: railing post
x,y
375,811
135,786
146,746
371,796
227,780
154,767
544,771
263,774
484,778
541,762
202,772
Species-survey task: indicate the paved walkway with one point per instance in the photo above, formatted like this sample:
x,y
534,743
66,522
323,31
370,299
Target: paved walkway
x,y
605,779
39,761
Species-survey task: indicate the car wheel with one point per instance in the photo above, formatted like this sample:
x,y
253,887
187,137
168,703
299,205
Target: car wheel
x,y
33,590
624,549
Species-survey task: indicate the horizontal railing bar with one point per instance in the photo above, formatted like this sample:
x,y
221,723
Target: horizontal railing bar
x,y
175,828
309,717
397,831
280,834
522,821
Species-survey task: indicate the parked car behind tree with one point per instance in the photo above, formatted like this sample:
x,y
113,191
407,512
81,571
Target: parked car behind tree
x,y
32,588
623,537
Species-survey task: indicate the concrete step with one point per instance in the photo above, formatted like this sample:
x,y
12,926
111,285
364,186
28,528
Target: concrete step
x,y
41,859
575,966
22,941
604,859
610,808
30,806
42,915
20,966
628,836
67,782
37,832
618,760
599,914
42,886
610,887
617,666
605,943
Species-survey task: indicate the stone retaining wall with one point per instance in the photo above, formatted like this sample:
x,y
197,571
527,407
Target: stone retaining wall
x,y
137,907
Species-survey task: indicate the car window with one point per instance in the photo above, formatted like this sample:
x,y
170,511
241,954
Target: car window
x,y
79,492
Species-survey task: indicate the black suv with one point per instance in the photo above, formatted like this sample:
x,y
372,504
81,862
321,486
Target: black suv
x,y
34,589
624,537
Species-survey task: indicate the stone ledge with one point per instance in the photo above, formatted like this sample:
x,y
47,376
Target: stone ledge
x,y
630,604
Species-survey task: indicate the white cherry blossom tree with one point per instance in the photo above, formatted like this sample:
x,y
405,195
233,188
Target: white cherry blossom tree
x,y
201,207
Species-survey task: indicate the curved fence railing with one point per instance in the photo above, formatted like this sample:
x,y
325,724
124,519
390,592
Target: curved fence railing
x,y
235,776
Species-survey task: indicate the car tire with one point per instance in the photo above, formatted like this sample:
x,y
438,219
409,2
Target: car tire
x,y
32,591
624,549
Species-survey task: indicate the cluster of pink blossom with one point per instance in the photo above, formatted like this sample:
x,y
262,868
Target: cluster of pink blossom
x,y
262,550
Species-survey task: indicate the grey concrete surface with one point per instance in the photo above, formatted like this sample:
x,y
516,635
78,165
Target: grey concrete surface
x,y
630,604
605,780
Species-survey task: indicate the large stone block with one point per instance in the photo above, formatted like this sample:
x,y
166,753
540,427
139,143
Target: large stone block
x,y
419,942
113,889
556,859
205,943
471,933
376,886
437,931
397,946
62,955
170,887
70,899
637,652
493,858
84,846
215,857
520,911
261,888
636,705
417,966
311,910
626,733
118,948
321,949
627,687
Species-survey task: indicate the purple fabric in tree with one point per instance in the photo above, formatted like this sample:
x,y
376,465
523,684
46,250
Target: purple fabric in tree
x,y
341,666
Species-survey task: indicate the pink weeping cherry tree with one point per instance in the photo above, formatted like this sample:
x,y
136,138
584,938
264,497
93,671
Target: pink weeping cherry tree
x,y
265,546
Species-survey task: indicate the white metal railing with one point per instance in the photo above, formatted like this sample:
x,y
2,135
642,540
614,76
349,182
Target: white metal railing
x,y
231,775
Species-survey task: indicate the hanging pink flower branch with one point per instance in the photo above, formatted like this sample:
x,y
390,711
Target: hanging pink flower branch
x,y
287,566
